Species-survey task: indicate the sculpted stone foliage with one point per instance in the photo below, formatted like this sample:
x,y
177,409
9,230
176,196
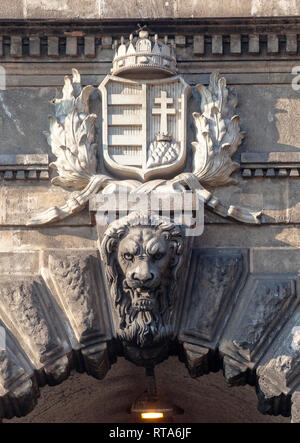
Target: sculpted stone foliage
x,y
144,136
218,133
142,259
71,135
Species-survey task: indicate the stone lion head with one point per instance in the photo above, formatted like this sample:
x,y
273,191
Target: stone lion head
x,y
142,256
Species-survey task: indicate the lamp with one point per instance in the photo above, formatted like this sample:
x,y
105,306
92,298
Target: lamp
x,y
152,408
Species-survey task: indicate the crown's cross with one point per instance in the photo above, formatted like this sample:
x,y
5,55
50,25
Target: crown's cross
x,y
163,111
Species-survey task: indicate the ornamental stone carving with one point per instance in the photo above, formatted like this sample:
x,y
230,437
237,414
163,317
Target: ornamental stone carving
x,y
144,134
143,259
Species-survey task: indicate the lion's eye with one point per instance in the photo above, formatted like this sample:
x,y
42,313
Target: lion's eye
x,y
158,256
128,256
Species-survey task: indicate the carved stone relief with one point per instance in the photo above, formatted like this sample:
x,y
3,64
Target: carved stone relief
x,y
270,303
24,167
252,333
222,275
132,109
151,294
143,260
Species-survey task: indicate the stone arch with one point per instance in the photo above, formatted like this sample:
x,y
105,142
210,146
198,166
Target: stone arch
x,y
245,324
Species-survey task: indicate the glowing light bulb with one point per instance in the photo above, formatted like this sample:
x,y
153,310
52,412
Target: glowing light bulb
x,y
152,415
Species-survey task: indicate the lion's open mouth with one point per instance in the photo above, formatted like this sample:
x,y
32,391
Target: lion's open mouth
x,y
143,304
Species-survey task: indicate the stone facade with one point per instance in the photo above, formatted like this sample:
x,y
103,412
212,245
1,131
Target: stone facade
x,y
235,304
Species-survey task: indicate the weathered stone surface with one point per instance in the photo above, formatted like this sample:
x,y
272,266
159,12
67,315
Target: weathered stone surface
x,y
19,263
10,371
235,373
296,407
279,370
270,301
155,9
276,131
215,281
276,260
106,401
282,238
57,9
258,318
40,324
24,309
144,260
96,360
242,314
77,281
19,203
197,359
14,10
19,135
47,238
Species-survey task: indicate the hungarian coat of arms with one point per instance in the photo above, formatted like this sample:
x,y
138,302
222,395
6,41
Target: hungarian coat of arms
x,y
144,133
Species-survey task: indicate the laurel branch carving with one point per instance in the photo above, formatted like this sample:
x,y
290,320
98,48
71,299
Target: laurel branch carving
x,y
218,134
72,141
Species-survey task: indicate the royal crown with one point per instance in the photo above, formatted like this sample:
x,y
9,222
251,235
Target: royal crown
x,y
144,56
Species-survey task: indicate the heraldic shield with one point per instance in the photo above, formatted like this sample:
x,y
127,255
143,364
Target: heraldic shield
x,y
144,126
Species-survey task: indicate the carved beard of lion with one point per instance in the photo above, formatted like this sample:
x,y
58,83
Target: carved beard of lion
x,y
142,259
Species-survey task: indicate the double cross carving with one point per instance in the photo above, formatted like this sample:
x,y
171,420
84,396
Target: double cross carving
x,y
163,111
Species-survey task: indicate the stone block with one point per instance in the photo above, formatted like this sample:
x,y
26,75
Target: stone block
x,y
235,44
291,43
278,372
19,204
53,46
180,40
89,46
273,44
253,44
16,46
198,46
275,260
34,46
293,210
106,41
275,109
217,44
71,46
19,262
23,118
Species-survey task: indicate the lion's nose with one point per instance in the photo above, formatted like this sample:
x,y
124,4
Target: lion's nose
x,y
142,277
